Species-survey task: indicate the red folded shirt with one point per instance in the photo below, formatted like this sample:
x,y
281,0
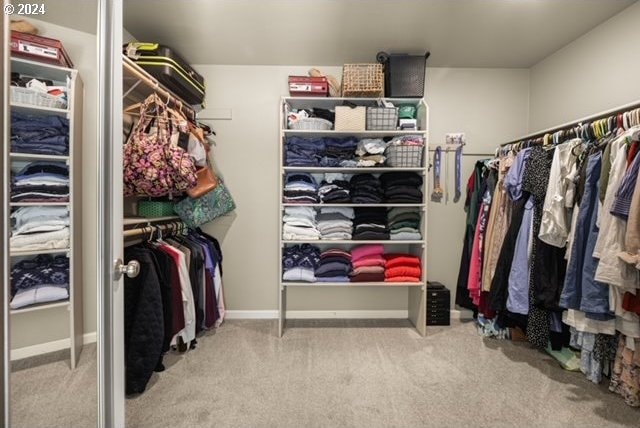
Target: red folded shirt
x,y
402,279
401,260
403,271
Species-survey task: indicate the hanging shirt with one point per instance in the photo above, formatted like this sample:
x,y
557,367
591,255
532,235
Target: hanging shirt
x,y
518,296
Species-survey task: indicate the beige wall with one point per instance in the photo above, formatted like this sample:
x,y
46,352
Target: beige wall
x,y
596,72
490,105
49,325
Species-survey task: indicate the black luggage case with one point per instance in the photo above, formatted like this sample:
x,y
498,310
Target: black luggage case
x,y
170,69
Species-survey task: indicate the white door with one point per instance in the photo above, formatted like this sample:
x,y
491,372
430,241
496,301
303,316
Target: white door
x,y
111,385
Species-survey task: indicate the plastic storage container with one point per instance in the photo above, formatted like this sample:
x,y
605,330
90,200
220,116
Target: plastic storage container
x,y
404,74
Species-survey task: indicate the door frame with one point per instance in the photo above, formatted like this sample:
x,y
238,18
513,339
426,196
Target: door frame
x,y
111,390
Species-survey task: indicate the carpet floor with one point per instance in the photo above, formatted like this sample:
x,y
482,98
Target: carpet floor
x,y
331,373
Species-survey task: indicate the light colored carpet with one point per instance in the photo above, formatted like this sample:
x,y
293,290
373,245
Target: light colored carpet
x,y
334,373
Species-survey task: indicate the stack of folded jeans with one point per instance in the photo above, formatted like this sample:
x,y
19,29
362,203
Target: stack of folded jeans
x,y
300,188
303,151
404,224
299,224
402,268
299,263
335,222
335,266
402,187
40,280
365,189
368,263
334,189
370,152
42,135
338,152
41,181
370,223
39,228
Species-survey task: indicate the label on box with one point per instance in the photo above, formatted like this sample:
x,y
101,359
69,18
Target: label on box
x,y
305,87
37,50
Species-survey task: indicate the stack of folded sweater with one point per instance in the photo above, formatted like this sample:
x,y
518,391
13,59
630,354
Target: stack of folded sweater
x,y
404,223
43,135
335,266
334,189
370,223
300,188
299,263
368,263
335,222
402,268
299,224
303,151
402,187
365,189
370,152
41,181
40,280
338,152
39,228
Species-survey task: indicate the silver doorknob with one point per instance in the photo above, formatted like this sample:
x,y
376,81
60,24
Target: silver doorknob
x,y
131,269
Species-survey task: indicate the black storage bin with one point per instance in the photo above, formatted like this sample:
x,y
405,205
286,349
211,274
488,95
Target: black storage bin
x,y
438,304
403,74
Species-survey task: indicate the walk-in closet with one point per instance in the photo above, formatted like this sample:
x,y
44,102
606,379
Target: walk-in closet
x,y
330,213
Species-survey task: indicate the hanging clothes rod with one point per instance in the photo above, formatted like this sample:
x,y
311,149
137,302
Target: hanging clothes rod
x,y
146,79
152,228
602,115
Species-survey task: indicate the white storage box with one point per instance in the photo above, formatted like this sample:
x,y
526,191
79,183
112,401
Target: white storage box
x,y
350,118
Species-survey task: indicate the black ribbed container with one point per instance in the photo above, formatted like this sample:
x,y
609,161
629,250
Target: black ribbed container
x,y
403,74
438,304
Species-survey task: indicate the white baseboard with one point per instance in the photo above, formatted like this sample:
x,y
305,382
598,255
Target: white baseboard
x,y
47,347
273,314
251,315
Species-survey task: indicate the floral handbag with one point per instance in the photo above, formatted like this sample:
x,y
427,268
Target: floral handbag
x,y
196,212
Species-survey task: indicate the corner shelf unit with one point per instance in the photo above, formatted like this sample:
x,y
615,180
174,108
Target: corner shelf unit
x,y
73,305
417,291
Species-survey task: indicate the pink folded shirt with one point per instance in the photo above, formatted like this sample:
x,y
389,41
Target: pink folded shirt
x,y
376,260
362,251
368,269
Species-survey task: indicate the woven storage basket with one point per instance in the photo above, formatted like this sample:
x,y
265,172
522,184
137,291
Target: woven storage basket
x,y
382,118
32,97
155,208
362,80
312,123
350,119
404,156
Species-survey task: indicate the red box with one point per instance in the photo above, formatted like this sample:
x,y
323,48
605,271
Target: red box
x,y
305,86
38,48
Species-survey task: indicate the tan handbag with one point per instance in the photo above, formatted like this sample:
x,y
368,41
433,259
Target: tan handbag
x,y
207,181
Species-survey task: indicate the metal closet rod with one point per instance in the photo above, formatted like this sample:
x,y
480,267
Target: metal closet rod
x,y
156,86
602,115
153,228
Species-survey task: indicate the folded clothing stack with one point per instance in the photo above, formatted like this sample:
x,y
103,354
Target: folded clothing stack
x,y
370,223
300,188
402,268
402,187
299,224
39,228
42,135
41,181
338,152
404,223
335,266
368,263
370,152
303,151
39,280
365,189
334,189
335,222
299,263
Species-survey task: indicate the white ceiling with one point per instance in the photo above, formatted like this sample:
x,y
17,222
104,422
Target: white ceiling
x,y
459,33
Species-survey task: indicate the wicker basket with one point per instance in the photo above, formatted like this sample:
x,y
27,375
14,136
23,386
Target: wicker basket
x,y
312,123
155,209
32,97
350,119
404,156
362,80
382,118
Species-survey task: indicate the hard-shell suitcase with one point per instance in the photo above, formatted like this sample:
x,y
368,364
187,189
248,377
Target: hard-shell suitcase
x,y
170,69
